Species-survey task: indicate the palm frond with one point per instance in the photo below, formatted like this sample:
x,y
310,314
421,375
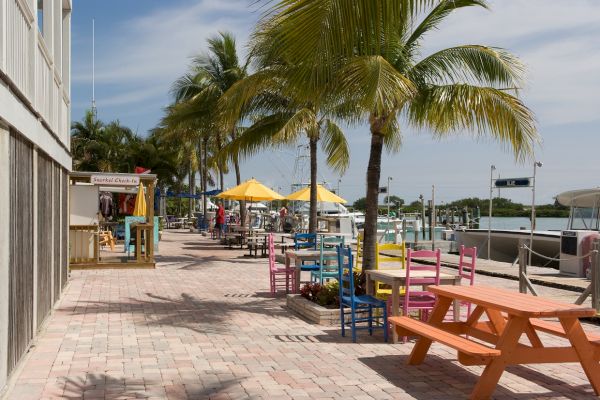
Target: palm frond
x,y
379,86
488,66
437,15
480,110
335,146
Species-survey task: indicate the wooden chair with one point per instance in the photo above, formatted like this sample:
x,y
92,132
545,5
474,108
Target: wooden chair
x,y
466,269
383,291
359,253
279,275
417,298
328,265
358,305
306,241
106,238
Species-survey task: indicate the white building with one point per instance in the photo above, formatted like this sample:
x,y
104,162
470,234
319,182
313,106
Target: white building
x,y
35,59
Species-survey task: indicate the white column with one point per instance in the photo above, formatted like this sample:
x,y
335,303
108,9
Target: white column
x,y
35,238
3,35
4,256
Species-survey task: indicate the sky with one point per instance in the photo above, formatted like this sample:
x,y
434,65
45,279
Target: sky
x,y
143,46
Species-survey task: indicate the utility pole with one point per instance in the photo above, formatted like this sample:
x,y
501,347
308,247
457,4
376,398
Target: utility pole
x,y
489,242
433,218
536,164
422,199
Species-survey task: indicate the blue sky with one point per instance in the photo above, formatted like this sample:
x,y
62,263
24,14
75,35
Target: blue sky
x,y
143,46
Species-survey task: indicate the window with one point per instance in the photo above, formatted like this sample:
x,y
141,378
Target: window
x,y
40,15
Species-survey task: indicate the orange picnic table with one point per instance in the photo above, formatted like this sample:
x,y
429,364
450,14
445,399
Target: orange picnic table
x,y
510,315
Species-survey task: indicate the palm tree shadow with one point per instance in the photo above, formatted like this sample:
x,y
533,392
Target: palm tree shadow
x,y
186,311
106,386
458,382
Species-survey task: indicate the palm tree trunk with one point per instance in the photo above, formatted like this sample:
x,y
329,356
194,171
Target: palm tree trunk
x,y
238,180
312,219
190,189
204,174
373,175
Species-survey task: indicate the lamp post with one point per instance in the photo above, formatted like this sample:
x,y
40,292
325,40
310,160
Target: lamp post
x,y
489,243
338,188
388,198
536,164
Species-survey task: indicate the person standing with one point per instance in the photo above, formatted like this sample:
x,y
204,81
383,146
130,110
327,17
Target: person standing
x,y
282,214
220,220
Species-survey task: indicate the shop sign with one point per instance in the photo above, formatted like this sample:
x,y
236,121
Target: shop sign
x,y
115,180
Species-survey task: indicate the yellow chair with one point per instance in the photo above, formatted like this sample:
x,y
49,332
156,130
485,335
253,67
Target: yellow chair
x,y
106,238
381,290
358,258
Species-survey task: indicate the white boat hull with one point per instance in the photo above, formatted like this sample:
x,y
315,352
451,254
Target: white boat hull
x,y
504,244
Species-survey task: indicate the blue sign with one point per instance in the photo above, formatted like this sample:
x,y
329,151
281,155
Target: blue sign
x,y
513,182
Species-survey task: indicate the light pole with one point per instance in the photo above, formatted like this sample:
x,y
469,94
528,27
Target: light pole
x,y
489,243
388,199
536,164
338,188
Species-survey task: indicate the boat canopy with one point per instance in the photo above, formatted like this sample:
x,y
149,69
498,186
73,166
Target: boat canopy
x,y
583,198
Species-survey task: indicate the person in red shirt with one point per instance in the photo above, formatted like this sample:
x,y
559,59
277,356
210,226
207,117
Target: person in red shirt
x,y
220,220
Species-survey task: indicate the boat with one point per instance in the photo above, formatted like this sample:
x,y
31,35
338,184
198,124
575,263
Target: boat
x,y
583,220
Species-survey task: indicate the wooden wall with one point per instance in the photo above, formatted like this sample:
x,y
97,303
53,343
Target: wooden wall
x,y
44,237
20,304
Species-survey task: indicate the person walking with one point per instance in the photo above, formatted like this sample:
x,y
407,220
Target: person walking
x,y
282,214
220,220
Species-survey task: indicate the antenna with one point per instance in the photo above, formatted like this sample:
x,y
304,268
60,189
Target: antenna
x,y
94,111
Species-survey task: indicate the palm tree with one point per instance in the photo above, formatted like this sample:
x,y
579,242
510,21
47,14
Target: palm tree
x,y
367,53
198,92
280,118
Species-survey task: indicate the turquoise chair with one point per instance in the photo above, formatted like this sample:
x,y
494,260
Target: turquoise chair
x,y
127,246
328,265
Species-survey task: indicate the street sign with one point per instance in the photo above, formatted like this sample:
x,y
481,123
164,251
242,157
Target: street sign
x,y
513,182
383,190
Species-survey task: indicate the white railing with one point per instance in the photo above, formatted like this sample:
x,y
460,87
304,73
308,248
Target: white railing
x,y
43,85
19,23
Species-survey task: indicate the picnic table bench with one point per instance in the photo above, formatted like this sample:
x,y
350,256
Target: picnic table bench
x,y
509,316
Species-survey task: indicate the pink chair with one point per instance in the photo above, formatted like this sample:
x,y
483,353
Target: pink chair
x,y
466,268
417,298
280,276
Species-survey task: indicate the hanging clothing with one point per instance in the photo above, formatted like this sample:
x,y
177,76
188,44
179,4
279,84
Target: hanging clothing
x,y
106,204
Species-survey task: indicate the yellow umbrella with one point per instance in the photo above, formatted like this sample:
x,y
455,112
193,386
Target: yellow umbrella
x,y
251,190
140,202
323,195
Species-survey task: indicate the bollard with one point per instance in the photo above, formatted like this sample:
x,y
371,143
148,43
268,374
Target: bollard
x,y
595,278
522,269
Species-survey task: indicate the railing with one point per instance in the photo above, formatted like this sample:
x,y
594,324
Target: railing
x,y
43,84
19,21
593,288
83,244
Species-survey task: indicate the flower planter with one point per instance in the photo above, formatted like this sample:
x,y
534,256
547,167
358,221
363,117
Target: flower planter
x,y
312,311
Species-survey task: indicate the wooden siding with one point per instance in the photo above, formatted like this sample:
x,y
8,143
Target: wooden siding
x,y
65,227
20,305
57,228
44,237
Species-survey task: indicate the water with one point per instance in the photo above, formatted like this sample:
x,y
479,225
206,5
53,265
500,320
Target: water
x,y
542,224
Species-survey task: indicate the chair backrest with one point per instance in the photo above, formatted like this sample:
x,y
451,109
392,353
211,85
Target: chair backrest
x,y
271,244
390,246
333,241
466,263
305,241
411,265
345,262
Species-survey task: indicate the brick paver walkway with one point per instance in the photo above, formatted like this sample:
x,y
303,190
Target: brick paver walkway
x,y
202,325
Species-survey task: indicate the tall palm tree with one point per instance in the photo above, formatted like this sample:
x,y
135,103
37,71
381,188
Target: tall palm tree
x,y
199,91
281,118
368,53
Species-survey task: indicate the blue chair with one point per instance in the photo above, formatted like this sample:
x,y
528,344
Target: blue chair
x,y
306,241
328,265
363,304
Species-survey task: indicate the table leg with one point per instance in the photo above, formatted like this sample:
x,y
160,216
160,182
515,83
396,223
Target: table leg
x,y
436,318
507,344
584,350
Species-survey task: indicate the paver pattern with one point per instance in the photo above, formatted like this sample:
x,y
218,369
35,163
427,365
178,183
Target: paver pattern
x,y
203,326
